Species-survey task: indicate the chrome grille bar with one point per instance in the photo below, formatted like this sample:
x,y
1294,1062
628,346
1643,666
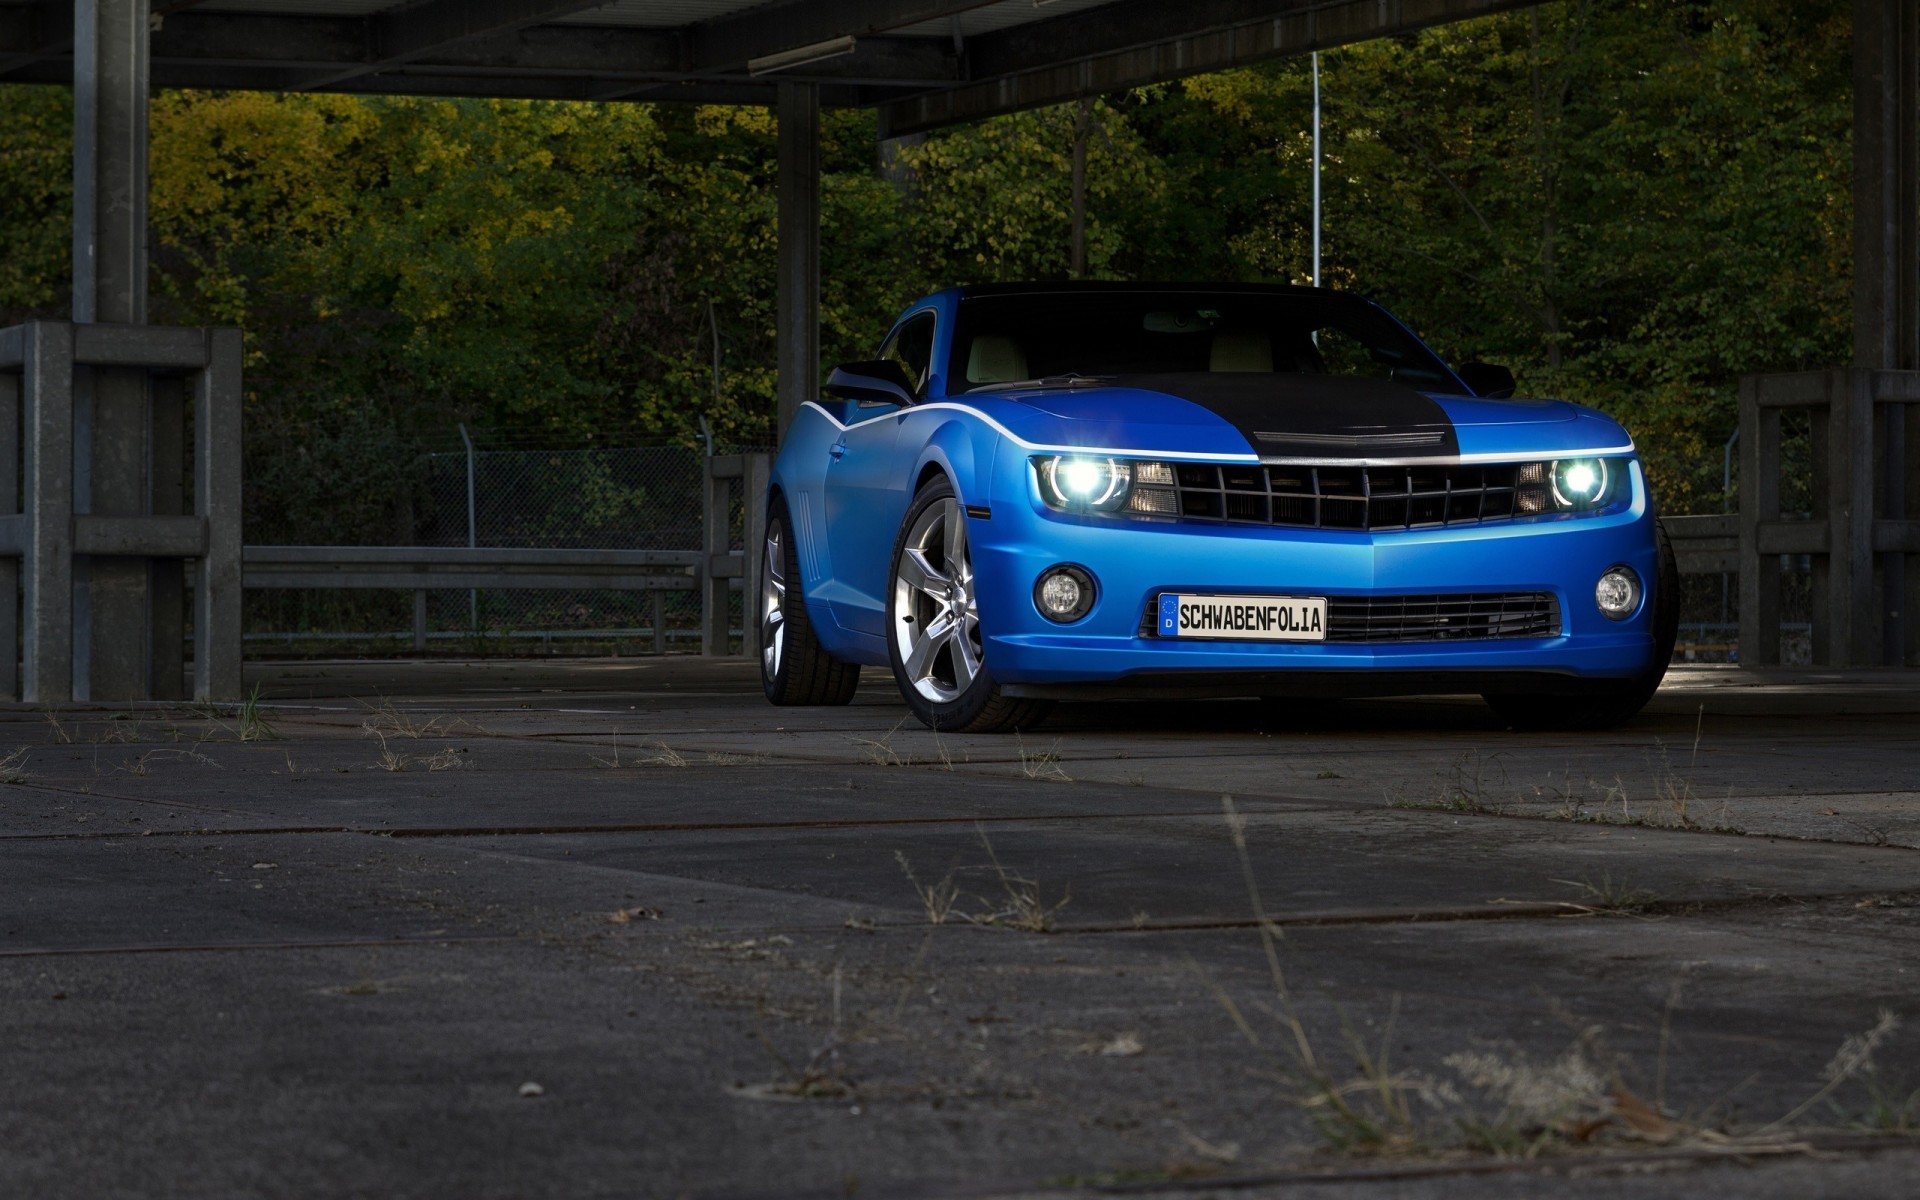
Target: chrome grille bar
x,y
1339,497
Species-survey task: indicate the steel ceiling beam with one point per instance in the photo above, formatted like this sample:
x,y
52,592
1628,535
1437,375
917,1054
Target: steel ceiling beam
x,y
1140,42
729,41
286,53
397,38
452,83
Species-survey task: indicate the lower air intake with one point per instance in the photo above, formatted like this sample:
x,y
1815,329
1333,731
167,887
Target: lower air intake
x,y
1473,616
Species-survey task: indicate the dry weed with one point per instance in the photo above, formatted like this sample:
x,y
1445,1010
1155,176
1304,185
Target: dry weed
x,y
879,751
1041,764
663,756
13,766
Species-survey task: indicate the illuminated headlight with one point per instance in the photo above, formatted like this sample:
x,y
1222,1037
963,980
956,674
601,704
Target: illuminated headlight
x,y
1569,485
1579,482
1079,483
1618,593
1063,594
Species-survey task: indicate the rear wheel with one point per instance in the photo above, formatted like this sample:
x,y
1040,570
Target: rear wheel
x,y
793,668
1619,701
933,624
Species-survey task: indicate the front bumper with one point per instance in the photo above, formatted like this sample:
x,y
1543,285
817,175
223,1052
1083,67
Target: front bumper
x,y
1134,561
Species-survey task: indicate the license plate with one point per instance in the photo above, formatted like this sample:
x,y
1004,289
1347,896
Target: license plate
x,y
1244,618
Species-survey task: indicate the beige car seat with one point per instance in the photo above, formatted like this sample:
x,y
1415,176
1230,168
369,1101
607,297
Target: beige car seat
x,y
1241,353
996,358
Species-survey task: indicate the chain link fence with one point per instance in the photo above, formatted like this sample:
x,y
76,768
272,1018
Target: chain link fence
x,y
632,498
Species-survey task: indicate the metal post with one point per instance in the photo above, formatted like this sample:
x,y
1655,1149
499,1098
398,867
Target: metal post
x,y
1851,606
167,577
47,648
9,505
216,499
717,527
797,335
1726,506
110,78
1316,168
473,526
659,599
1759,501
755,468
419,620
1886,256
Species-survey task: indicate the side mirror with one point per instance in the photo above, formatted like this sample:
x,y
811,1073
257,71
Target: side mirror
x,y
880,381
1486,379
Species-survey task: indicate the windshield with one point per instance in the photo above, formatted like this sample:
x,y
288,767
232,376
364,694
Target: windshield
x,y
999,340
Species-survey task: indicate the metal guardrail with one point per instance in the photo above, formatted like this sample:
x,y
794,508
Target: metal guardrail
x,y
735,486
467,567
1703,545
422,567
1708,545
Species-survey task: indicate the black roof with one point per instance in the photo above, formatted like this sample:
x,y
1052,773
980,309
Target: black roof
x,y
921,63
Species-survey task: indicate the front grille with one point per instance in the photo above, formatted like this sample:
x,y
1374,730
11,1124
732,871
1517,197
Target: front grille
x,y
1477,615
1337,497
1471,616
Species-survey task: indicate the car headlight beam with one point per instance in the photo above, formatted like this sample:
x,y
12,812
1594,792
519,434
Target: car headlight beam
x,y
1083,483
1579,483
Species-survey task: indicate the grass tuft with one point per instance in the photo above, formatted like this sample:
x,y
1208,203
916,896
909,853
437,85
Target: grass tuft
x,y
1041,764
13,766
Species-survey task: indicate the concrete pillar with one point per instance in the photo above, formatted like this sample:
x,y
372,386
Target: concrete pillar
x,y
798,336
112,654
1886,297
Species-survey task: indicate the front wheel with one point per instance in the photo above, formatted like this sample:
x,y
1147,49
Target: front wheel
x,y
933,625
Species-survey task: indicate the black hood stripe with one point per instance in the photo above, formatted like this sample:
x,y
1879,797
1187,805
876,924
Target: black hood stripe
x,y
1315,416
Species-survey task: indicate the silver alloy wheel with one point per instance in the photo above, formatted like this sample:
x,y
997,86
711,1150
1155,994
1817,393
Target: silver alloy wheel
x,y
773,600
936,631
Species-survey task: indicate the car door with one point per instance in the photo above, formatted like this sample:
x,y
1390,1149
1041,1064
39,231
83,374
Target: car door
x,y
866,487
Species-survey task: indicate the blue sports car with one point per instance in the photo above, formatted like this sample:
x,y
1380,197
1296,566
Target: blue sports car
x,y
1060,491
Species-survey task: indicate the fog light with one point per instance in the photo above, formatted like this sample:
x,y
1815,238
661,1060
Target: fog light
x,y
1064,594
1618,593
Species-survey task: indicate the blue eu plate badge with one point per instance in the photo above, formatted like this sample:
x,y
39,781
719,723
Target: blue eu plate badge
x,y
1169,614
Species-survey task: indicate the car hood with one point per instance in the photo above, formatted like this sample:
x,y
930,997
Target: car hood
x,y
1290,417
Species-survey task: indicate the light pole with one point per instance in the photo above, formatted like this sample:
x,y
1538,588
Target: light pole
x,y
1316,168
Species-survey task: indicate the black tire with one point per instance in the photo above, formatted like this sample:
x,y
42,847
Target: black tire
x,y
794,669
948,686
1617,703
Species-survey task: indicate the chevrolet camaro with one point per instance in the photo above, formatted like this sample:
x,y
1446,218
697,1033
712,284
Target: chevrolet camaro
x,y
1058,491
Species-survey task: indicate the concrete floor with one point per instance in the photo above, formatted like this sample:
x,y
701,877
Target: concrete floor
x,y
616,927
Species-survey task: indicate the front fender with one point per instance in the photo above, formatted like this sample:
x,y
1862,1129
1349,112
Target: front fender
x,y
963,451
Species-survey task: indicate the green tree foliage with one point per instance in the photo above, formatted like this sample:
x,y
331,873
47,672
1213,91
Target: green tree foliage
x,y
36,201
1631,202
